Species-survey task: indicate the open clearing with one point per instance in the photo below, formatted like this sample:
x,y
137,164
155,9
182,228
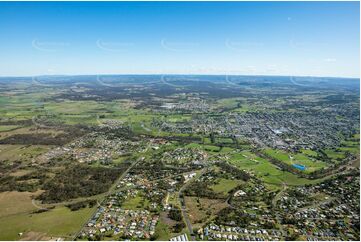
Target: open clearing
x,y
16,202
19,152
225,185
265,170
311,164
59,222
202,209
134,203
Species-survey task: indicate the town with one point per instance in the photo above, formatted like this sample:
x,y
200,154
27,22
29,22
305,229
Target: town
x,y
183,165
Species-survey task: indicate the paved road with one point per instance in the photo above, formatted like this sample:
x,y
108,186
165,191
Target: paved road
x,y
278,195
110,191
185,214
274,201
183,205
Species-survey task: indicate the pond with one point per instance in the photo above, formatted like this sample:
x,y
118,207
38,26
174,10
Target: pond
x,y
300,167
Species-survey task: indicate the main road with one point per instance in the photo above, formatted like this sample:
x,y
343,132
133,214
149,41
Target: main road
x,y
183,204
110,191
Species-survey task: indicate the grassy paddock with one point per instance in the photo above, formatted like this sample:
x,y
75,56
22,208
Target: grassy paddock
x,y
137,202
59,222
225,185
4,128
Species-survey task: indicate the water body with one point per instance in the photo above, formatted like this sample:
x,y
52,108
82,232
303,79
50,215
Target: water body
x,y
300,167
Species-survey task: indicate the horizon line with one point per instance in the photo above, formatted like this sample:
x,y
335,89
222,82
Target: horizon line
x,y
174,74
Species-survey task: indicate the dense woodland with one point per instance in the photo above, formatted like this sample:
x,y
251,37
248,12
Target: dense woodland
x,y
80,181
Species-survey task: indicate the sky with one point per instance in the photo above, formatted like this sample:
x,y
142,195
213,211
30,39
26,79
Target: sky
x,y
249,38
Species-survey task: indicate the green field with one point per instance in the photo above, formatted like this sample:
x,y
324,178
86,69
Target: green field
x,y
59,222
162,232
309,152
265,170
228,103
225,185
4,128
304,159
334,154
137,202
21,152
351,145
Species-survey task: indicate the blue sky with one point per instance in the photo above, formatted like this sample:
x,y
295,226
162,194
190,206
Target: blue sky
x,y
257,38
